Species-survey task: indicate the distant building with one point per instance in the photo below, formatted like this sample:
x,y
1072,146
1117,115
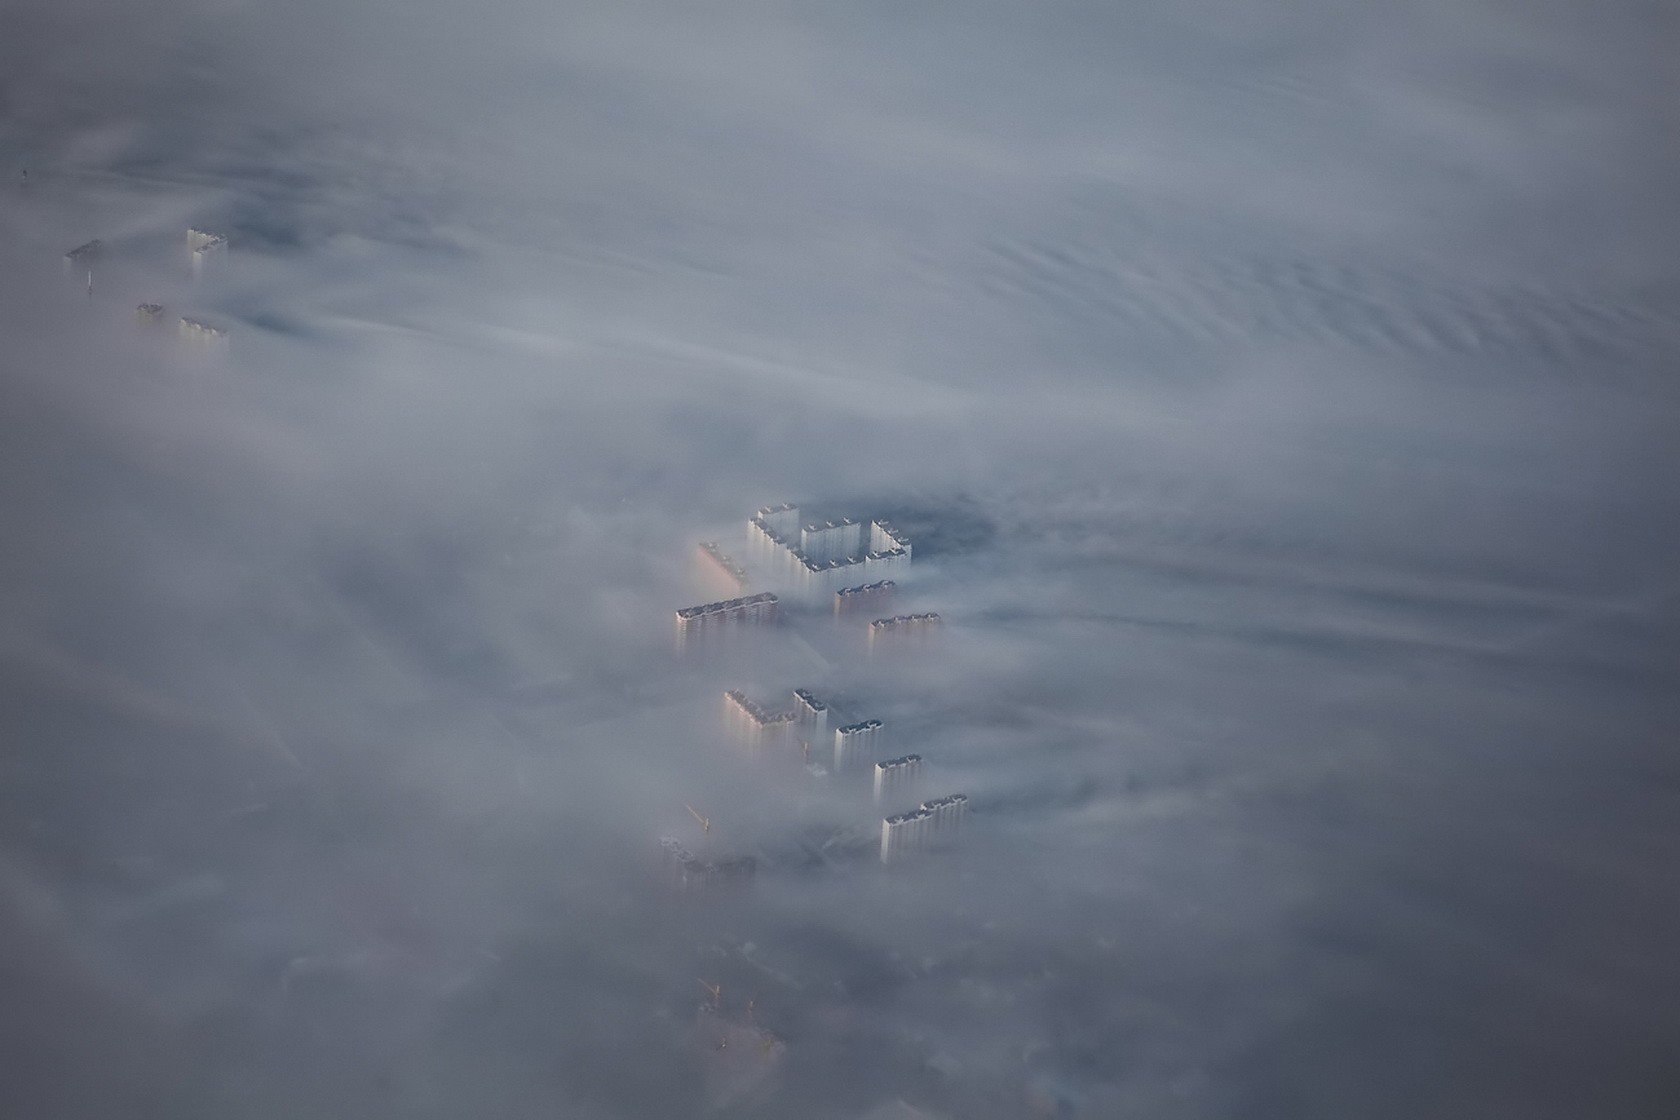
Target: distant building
x,y
149,314
688,872
755,725
867,596
721,569
202,245
907,832
896,777
760,608
84,256
902,624
856,744
195,331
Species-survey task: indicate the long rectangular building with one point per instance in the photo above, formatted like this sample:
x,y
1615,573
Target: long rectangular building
x,y
921,827
866,596
856,743
758,608
754,724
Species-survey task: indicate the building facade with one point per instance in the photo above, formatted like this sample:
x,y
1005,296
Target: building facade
x,y
760,608
867,596
856,744
896,778
932,821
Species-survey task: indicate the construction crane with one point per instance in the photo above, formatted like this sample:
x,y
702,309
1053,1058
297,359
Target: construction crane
x,y
705,824
715,991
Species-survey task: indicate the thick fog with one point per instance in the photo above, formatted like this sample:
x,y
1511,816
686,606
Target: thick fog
x,y
1280,399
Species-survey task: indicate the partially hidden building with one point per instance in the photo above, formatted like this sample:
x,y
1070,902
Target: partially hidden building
x,y
902,625
689,872
864,597
856,744
760,608
818,559
721,569
202,245
84,256
923,826
896,777
811,713
755,725
194,331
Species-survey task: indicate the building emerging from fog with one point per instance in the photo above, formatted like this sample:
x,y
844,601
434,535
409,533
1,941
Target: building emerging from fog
x,y
721,569
856,744
811,713
921,827
84,256
760,608
149,314
754,724
202,245
689,872
195,331
896,777
818,559
900,625
868,596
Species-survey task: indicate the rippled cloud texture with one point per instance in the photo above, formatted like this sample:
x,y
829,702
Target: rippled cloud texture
x,y
1281,398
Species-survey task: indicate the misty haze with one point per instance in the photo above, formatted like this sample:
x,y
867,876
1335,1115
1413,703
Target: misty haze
x,y
858,562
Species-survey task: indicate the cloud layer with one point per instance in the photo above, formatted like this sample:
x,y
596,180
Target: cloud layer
x,y
1280,399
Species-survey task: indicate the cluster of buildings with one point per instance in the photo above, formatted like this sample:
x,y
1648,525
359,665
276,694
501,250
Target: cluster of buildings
x,y
812,560
201,245
847,559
